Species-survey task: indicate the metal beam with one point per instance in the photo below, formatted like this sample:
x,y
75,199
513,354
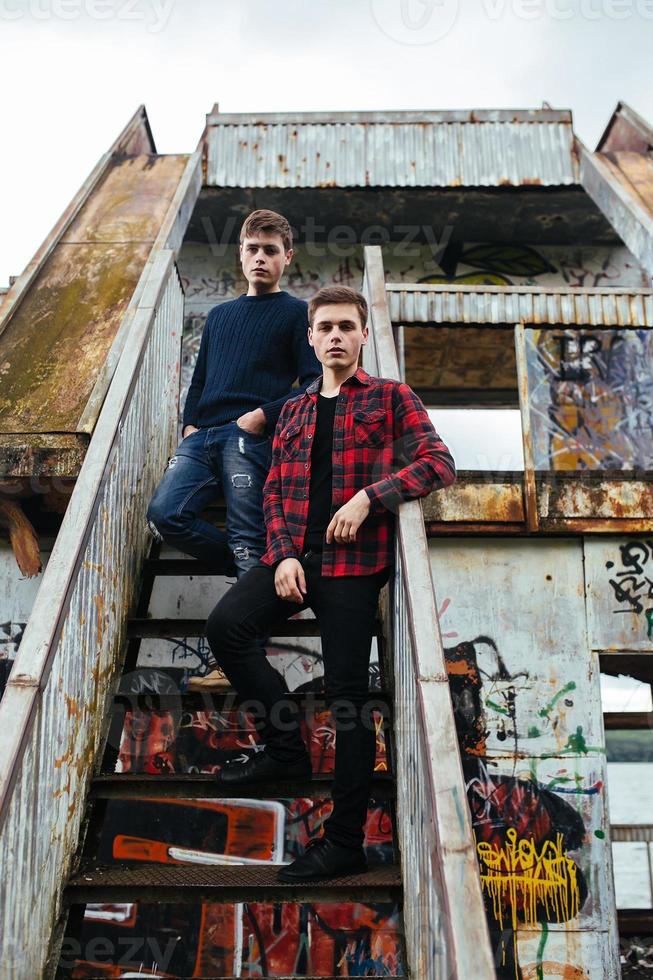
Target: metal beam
x,y
629,218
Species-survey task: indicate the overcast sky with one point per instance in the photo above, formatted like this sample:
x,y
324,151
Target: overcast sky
x,y
73,71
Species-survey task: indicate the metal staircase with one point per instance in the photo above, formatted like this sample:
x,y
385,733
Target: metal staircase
x,y
70,710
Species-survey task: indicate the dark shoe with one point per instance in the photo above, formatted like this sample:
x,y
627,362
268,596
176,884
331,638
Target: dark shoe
x,y
324,859
262,767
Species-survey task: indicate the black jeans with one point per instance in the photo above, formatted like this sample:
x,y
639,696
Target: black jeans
x,y
345,608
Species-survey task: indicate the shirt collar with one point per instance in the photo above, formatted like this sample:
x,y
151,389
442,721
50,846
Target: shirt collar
x,y
361,377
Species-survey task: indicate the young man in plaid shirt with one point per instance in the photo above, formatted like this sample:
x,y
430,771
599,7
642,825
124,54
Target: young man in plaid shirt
x,y
346,453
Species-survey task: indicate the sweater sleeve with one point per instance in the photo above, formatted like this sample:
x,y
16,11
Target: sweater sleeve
x,y
306,366
196,386
430,465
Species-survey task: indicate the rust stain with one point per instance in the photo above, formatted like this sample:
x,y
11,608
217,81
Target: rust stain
x,y
551,968
99,604
74,711
22,537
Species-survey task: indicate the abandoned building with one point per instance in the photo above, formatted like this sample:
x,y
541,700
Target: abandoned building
x,y
509,272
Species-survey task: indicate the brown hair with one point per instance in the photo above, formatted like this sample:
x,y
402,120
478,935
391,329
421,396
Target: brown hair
x,y
270,222
329,295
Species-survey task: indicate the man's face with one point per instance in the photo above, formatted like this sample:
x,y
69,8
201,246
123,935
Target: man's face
x,y
337,335
263,260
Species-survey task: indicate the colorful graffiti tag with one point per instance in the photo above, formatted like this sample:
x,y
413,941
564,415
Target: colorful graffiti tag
x,y
524,831
527,712
241,940
345,939
591,398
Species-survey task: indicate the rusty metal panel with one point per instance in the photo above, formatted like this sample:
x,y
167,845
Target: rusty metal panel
x,y
473,500
342,151
620,202
55,344
619,582
525,687
131,202
42,455
605,499
53,707
481,499
418,303
136,137
591,399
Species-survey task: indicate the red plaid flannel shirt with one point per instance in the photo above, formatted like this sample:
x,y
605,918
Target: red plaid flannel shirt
x,y
379,424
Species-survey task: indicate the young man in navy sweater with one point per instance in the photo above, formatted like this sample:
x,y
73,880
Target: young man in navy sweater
x,y
252,350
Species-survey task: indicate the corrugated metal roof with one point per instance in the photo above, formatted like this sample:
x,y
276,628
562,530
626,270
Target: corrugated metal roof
x,y
456,149
524,304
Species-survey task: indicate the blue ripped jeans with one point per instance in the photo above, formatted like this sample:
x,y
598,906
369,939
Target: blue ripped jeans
x,y
220,460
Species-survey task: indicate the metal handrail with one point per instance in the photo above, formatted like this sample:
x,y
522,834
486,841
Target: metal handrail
x,y
444,914
66,669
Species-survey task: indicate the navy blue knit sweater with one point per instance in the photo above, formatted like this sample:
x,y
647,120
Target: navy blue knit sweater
x,y
252,350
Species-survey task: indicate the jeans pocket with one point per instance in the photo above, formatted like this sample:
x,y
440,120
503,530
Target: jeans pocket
x,y
253,437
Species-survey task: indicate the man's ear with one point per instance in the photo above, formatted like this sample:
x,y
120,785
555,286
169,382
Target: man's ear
x,y
289,255
310,336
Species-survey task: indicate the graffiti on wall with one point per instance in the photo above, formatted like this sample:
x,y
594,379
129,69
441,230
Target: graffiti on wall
x,y
591,398
630,583
524,830
527,713
619,587
209,279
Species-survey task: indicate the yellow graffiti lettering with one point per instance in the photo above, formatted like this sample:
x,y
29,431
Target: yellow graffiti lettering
x,y
521,876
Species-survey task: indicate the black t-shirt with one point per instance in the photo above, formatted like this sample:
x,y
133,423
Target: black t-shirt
x,y
321,490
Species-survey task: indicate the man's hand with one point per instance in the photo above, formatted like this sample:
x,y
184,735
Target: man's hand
x,y
188,431
346,521
253,422
290,581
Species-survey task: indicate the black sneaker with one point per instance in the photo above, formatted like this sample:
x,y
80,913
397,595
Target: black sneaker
x,y
261,767
324,859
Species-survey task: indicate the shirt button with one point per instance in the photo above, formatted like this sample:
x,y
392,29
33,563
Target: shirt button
x,y
305,466
310,437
